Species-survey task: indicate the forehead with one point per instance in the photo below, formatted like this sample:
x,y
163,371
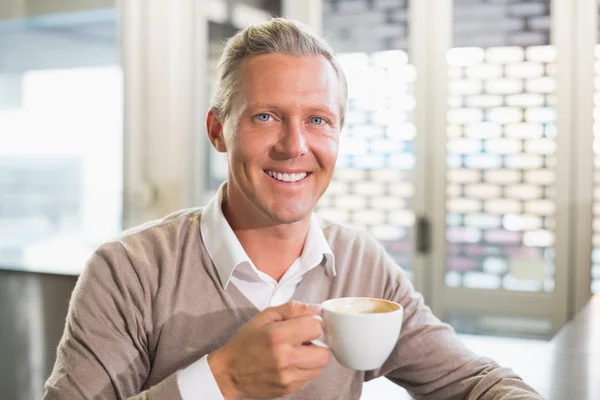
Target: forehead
x,y
284,79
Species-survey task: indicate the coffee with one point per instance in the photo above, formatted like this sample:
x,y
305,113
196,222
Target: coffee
x,y
362,306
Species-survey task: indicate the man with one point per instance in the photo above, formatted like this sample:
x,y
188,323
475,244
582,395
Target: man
x,y
217,303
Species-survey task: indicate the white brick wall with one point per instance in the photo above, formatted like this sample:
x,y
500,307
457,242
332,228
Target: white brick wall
x,y
527,9
500,136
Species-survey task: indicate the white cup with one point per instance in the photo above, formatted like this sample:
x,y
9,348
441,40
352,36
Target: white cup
x,y
361,332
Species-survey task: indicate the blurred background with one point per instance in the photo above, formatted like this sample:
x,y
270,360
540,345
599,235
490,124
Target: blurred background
x,y
470,149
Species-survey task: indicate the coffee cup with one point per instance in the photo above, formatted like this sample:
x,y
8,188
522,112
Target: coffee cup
x,y
361,332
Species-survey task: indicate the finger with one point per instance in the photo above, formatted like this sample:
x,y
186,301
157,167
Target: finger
x,y
290,310
311,357
296,309
298,330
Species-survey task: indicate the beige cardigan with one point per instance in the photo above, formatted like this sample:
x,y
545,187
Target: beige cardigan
x,y
151,303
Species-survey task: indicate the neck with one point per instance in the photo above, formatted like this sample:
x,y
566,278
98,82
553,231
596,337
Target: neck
x,y
272,247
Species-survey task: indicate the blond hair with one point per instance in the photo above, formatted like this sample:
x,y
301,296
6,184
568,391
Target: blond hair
x,y
276,36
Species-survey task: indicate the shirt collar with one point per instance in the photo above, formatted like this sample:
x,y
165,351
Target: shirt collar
x,y
227,253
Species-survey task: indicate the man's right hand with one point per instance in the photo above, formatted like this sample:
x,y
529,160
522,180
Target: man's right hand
x,y
267,358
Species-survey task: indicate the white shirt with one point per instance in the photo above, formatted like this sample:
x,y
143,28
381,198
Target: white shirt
x,y
235,267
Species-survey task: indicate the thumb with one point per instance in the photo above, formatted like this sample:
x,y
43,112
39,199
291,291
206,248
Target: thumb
x,y
290,310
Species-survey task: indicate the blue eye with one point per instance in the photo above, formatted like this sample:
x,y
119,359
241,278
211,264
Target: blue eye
x,y
317,121
263,117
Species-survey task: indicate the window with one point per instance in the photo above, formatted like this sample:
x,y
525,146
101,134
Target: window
x,y
60,138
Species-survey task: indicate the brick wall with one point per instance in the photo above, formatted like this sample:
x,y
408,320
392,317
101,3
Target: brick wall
x,y
365,25
488,23
501,158
373,187
500,135
379,25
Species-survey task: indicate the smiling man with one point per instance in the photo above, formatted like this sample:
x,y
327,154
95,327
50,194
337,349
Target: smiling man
x,y
217,302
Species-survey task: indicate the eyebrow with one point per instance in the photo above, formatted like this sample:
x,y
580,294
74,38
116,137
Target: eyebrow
x,y
312,107
263,105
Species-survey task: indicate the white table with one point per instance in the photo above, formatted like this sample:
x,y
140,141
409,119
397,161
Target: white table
x,y
567,367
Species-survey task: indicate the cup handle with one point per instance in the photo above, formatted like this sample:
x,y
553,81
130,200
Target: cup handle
x,y
320,341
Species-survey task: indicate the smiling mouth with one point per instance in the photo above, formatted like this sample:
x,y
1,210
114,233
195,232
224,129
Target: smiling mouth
x,y
289,178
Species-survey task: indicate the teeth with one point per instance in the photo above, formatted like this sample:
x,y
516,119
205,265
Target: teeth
x,y
287,177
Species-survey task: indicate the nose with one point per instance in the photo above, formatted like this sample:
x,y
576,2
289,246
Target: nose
x,y
293,141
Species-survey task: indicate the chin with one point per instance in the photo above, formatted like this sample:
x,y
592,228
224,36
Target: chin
x,y
290,216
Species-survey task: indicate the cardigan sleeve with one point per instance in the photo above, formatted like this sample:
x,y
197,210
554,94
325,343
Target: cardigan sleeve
x,y
103,353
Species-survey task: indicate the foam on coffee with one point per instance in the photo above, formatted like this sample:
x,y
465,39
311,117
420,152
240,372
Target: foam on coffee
x,y
361,306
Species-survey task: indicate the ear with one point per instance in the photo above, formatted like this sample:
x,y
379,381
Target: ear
x,y
214,127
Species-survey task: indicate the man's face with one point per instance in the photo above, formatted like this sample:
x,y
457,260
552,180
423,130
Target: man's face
x,y
281,135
